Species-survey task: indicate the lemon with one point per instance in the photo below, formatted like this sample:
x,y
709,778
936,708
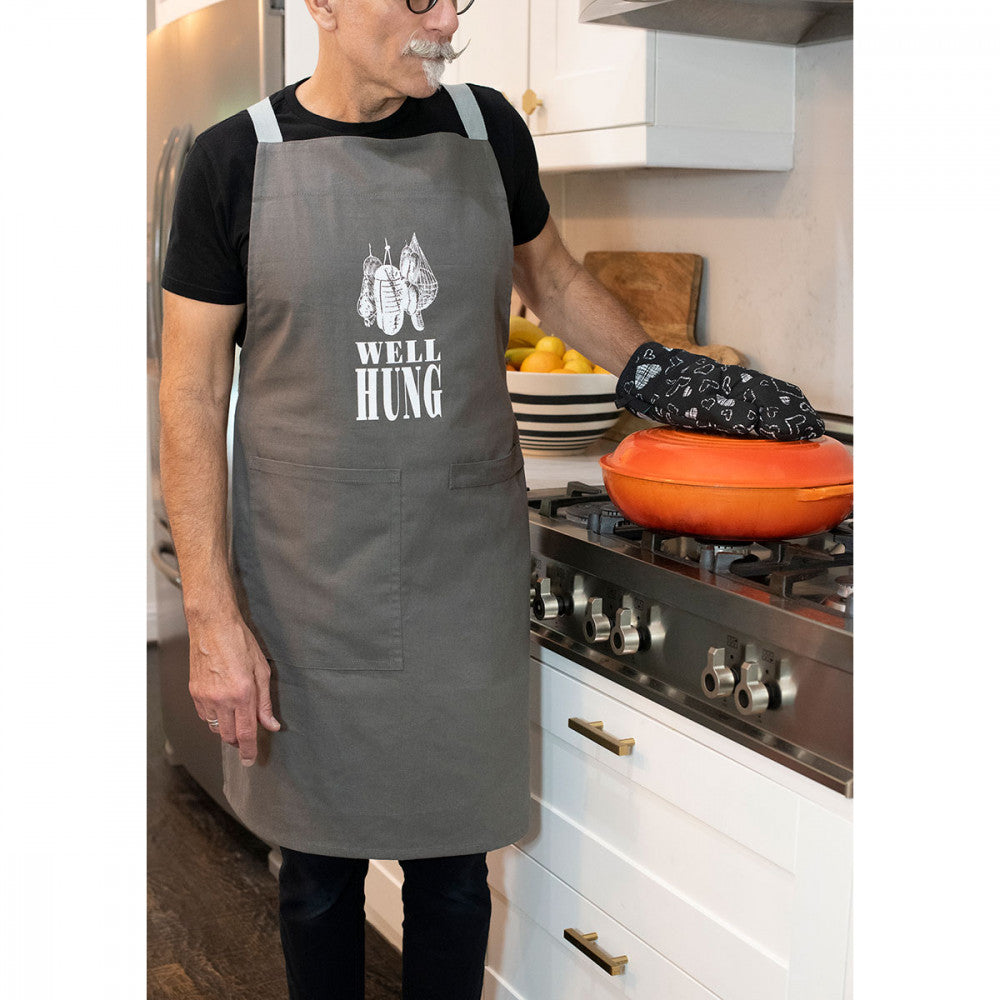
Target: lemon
x,y
541,361
598,370
571,354
551,344
523,333
579,365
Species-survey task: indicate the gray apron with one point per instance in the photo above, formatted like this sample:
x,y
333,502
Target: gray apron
x,y
379,515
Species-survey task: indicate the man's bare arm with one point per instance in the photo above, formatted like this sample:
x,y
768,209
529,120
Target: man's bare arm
x,y
572,304
229,675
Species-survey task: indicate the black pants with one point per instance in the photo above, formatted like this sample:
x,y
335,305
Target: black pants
x,y
446,921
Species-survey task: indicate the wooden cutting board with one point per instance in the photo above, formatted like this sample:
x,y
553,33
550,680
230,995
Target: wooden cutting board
x,y
661,291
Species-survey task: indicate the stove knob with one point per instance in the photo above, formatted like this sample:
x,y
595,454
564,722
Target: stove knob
x,y
752,695
596,624
626,637
548,605
845,589
718,680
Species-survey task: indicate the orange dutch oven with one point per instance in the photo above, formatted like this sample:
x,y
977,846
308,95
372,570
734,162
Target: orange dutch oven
x,y
707,485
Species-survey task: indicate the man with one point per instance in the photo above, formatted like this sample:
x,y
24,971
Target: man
x,y
364,661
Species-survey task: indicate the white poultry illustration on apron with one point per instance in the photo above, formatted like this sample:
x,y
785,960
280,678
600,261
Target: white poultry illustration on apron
x,y
388,292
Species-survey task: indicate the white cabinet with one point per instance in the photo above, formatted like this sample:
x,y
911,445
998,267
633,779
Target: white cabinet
x,y
624,97
612,96
717,872
586,79
525,961
494,37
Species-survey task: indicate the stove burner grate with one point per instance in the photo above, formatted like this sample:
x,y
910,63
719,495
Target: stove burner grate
x,y
799,569
790,564
601,517
576,493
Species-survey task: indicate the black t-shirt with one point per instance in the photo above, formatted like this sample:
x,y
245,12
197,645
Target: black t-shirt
x,y
210,232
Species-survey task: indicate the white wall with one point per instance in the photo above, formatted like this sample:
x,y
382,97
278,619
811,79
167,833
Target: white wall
x,y
777,284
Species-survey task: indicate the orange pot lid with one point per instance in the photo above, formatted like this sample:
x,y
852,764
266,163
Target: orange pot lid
x,y
662,454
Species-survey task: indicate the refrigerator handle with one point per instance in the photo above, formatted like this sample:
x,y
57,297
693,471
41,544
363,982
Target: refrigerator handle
x,y
156,235
172,573
178,146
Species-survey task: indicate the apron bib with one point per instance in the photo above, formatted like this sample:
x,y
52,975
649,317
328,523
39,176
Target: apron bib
x,y
379,516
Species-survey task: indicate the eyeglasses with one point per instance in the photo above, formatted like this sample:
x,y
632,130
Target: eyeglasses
x,y
422,6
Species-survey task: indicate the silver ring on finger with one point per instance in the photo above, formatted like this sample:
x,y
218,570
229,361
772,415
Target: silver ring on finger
x,y
212,722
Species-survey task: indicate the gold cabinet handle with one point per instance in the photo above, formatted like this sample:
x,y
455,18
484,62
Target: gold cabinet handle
x,y
595,731
613,965
530,101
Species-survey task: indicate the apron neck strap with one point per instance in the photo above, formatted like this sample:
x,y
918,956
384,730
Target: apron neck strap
x,y
468,110
266,124
264,121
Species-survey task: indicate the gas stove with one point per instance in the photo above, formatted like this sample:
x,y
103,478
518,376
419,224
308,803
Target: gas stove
x,y
753,639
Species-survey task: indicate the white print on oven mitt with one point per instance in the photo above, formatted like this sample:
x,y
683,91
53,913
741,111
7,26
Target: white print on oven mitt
x,y
692,392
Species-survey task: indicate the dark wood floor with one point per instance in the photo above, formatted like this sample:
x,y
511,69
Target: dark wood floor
x,y
212,927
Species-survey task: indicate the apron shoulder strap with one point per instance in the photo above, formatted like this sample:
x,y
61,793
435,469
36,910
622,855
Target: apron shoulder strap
x,y
468,110
264,121
266,124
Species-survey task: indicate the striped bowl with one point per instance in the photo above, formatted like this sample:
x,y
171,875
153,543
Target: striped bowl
x,y
561,414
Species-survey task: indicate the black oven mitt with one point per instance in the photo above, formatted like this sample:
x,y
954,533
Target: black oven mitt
x,y
692,392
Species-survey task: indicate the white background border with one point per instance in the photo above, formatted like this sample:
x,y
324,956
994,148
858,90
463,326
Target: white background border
x,y
73,524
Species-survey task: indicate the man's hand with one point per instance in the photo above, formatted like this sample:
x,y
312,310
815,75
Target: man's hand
x,y
230,683
229,675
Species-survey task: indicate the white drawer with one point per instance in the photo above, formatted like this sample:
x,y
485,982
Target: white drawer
x,y
594,819
737,963
734,800
528,957
735,869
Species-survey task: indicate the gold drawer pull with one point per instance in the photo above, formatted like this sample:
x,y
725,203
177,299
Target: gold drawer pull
x,y
613,965
595,731
530,101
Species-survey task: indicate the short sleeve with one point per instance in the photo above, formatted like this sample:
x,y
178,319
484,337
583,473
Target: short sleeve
x,y
518,162
202,260
530,210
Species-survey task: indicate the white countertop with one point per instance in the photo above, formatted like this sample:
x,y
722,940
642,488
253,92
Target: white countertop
x,y
544,472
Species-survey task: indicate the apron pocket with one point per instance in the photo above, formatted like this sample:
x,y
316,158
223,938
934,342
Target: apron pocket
x,y
324,587
494,470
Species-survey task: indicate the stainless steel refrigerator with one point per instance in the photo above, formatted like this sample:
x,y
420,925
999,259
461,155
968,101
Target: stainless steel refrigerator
x,y
200,69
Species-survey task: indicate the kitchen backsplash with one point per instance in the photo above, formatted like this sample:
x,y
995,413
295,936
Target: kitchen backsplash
x,y
777,284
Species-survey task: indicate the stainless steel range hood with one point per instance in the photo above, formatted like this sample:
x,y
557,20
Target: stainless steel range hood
x,y
784,22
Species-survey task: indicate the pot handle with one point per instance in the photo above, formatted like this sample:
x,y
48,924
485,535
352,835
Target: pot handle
x,y
826,492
